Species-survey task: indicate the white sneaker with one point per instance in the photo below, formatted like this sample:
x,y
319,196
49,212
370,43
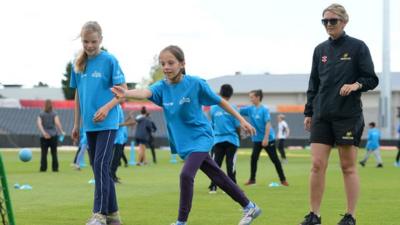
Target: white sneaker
x,y
249,215
97,219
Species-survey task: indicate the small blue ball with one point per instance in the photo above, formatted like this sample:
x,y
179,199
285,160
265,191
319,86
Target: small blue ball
x,y
25,154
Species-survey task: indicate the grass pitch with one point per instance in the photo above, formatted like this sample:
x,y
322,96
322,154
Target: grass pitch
x,y
149,195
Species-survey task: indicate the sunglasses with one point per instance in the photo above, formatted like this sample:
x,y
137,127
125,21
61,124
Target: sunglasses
x,y
332,22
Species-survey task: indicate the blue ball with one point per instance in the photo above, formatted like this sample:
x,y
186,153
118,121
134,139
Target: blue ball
x,y
25,154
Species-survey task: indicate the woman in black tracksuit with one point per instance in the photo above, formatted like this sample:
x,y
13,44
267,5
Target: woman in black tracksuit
x,y
342,69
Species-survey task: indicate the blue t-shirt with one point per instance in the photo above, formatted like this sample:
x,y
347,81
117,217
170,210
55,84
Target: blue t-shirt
x,y
258,117
374,135
102,72
188,127
122,133
225,125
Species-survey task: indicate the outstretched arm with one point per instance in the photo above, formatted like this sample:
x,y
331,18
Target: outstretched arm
x,y
243,123
121,92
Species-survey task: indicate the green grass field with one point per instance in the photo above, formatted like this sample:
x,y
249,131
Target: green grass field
x,y
149,195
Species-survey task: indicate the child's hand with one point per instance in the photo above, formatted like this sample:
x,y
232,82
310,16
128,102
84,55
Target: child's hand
x,y
119,91
101,114
248,128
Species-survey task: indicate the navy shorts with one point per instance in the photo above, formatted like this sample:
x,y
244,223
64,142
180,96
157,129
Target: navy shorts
x,y
141,141
343,131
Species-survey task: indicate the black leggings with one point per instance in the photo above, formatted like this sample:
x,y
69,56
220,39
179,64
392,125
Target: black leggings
x,y
218,153
44,146
271,151
281,148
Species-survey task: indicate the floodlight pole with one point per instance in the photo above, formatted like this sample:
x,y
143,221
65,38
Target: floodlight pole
x,y
385,101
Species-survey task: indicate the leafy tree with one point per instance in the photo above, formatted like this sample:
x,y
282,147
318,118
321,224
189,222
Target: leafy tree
x,y
69,93
156,72
41,84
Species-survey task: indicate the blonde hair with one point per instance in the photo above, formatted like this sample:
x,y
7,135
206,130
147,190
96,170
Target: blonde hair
x,y
338,10
88,27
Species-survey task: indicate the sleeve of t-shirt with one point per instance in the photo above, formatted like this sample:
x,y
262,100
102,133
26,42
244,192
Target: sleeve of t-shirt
x,y
206,95
156,93
244,111
118,76
267,116
72,82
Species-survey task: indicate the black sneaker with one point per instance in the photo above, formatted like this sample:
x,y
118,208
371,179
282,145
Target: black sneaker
x,y
362,163
380,165
347,219
311,219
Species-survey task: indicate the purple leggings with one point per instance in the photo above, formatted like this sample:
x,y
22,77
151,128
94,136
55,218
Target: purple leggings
x,y
203,161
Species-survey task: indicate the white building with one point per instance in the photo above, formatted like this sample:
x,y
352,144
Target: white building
x,y
290,90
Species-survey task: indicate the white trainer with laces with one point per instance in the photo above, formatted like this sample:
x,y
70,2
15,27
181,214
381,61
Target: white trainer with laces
x,y
249,215
97,219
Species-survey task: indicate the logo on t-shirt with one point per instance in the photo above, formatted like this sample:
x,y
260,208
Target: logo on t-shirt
x,y
184,100
96,74
168,103
219,113
345,56
324,59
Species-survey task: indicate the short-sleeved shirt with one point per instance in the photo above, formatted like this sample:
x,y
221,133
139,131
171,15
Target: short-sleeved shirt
x,y
374,135
258,117
48,122
143,128
225,125
122,133
282,130
188,127
102,72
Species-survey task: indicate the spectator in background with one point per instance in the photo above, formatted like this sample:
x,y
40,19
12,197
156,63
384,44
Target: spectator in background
x,y
151,137
397,162
260,119
142,135
119,144
374,136
79,158
283,133
48,122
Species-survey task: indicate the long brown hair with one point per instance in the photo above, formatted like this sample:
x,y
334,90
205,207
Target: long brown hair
x,y
48,106
88,27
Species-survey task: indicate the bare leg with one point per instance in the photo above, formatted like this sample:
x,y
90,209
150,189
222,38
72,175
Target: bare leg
x,y
141,149
320,155
348,157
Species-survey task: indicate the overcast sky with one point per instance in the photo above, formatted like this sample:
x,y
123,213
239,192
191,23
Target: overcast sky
x,y
219,37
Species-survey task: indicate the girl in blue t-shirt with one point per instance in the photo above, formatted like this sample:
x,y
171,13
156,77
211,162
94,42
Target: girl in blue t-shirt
x,y
94,72
190,134
227,131
260,119
372,146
